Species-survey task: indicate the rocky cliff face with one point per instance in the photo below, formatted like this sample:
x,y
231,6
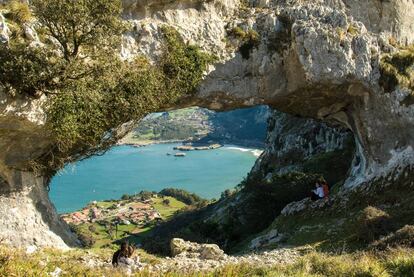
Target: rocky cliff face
x,y
319,59
291,141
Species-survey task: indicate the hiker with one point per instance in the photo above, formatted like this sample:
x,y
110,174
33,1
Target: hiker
x,y
317,193
123,253
325,188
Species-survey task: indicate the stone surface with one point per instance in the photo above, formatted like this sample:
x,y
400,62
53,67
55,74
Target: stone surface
x,y
183,263
292,140
29,218
182,248
271,238
4,30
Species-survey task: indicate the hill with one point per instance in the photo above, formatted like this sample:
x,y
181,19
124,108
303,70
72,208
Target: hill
x,y
246,127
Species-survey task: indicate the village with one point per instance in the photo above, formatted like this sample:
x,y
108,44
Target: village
x,y
135,212
101,223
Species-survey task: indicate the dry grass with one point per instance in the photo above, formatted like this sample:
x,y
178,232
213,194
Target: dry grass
x,y
18,12
372,223
403,237
397,262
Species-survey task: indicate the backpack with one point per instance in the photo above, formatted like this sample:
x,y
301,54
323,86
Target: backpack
x,y
325,189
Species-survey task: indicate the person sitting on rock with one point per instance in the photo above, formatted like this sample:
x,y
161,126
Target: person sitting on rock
x,y
123,253
325,188
317,193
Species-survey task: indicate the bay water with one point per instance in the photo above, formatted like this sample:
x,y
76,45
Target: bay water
x,y
129,170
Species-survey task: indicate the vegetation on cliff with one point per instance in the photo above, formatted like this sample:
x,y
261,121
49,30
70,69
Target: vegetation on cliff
x,y
370,216
184,196
91,91
398,69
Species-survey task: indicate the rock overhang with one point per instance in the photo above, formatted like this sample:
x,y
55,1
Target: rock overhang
x,y
327,68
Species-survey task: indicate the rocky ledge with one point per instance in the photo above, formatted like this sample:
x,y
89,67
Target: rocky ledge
x,y
194,257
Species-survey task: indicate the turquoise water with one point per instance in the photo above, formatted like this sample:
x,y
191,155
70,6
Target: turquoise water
x,y
126,169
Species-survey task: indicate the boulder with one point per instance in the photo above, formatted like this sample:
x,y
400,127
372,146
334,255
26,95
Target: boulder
x,y
4,30
272,237
178,246
211,252
187,249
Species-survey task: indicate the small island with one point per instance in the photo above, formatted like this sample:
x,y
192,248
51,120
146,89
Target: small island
x,y
192,147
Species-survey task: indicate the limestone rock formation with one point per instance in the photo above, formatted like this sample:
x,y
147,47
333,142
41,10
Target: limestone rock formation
x,y
292,140
4,30
318,59
179,247
271,237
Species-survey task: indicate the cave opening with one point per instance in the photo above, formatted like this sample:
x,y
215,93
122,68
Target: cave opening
x,y
267,158
157,154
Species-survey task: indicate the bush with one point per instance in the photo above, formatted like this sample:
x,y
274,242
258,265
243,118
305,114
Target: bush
x,y
397,69
182,195
403,237
86,240
85,237
372,223
226,194
251,40
237,32
145,195
19,12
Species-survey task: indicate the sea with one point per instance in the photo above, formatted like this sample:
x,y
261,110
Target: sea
x,y
128,170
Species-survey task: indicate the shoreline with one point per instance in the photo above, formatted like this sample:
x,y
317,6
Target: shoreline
x,y
154,142
255,151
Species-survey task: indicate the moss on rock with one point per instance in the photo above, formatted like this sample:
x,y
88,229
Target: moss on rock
x,y
397,69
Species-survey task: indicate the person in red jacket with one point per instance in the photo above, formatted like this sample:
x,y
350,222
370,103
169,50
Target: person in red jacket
x,y
325,189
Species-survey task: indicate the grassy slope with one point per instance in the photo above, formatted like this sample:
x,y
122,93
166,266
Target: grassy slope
x,y
335,225
167,211
393,263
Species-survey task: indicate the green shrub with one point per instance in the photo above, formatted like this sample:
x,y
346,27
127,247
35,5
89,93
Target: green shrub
x,y
182,65
372,223
145,195
85,237
18,12
353,30
251,40
403,237
182,195
237,32
397,69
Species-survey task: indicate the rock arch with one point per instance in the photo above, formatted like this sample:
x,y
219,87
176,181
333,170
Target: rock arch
x,y
318,60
